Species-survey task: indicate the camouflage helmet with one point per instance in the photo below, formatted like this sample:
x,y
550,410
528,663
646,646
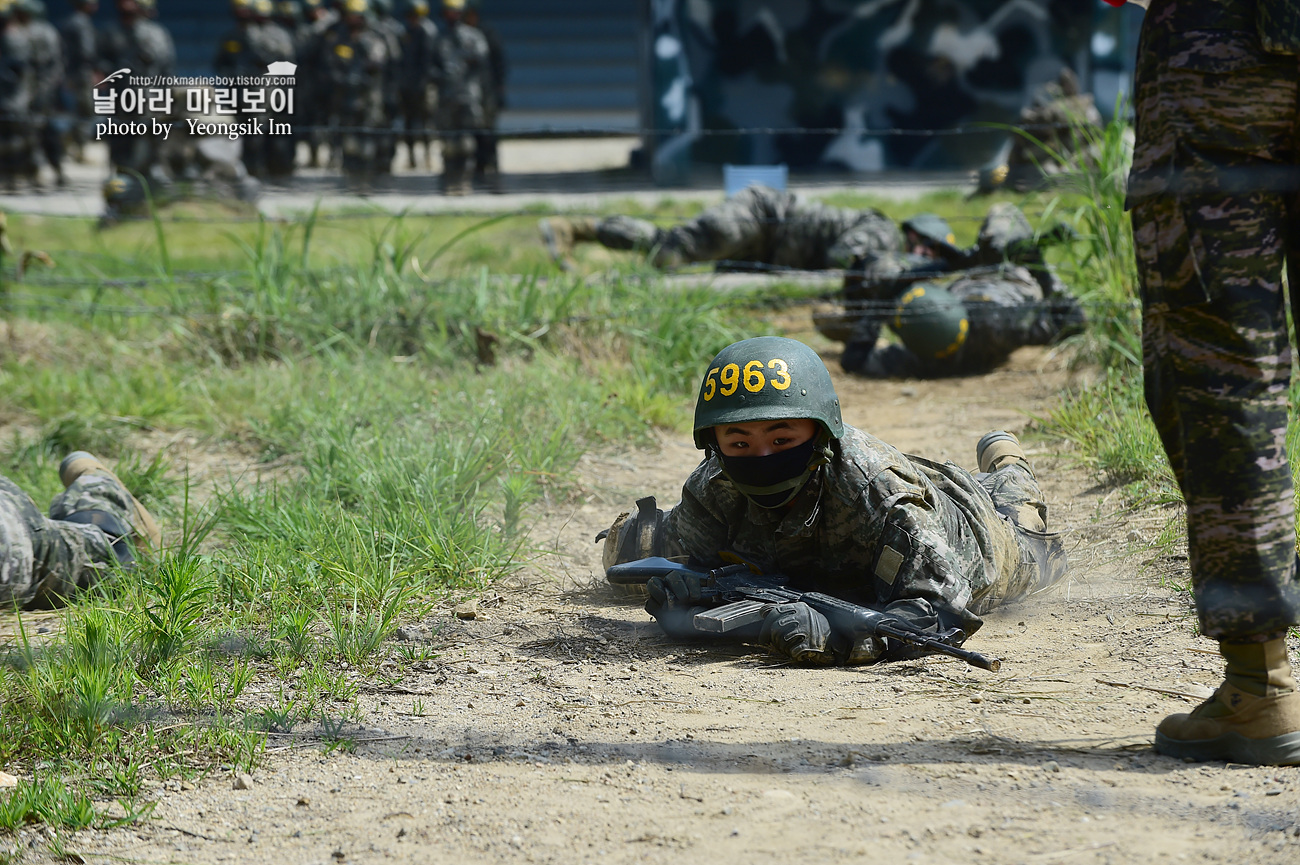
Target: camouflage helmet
x,y
992,178
930,321
288,9
932,228
766,378
125,195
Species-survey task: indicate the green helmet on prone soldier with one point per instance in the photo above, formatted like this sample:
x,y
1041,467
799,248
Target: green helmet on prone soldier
x,y
768,411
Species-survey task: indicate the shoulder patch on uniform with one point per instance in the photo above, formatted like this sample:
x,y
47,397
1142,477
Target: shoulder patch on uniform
x,y
888,564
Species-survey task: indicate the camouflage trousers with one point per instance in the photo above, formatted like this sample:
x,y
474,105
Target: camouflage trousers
x,y
1215,196
457,125
1029,558
46,560
758,225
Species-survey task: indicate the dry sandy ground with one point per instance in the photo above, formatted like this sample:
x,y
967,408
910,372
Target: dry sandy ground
x,y
560,726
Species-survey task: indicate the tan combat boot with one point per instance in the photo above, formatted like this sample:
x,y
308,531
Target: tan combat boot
x,y
78,463
1000,448
1253,718
561,234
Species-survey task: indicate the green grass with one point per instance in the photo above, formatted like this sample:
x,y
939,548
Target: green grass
x,y
414,415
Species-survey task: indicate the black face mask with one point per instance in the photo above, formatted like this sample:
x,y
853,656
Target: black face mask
x,y
774,480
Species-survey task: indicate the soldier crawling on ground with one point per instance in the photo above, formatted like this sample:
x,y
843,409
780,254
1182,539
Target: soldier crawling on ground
x,y
758,225
788,488
956,311
94,526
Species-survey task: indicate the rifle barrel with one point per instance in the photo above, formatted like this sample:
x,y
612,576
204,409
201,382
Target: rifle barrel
x,y
975,659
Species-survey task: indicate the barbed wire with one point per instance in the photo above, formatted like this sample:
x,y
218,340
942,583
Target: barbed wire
x,y
721,269
12,301
306,215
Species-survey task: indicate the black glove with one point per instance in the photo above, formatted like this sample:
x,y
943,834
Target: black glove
x,y
798,632
674,589
674,600
916,613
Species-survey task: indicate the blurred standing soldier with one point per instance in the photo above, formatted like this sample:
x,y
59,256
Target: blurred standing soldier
x,y
146,48
1215,195
355,59
289,17
460,64
486,165
138,43
416,89
81,67
311,99
46,59
391,31
275,43
17,150
241,53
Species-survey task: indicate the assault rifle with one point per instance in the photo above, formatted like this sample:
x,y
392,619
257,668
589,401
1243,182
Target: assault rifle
x,y
737,596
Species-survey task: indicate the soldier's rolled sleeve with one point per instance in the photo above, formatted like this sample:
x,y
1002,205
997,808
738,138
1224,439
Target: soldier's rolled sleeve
x,y
915,561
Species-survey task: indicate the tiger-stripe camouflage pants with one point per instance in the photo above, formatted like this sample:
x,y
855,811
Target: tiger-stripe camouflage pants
x,y
1214,199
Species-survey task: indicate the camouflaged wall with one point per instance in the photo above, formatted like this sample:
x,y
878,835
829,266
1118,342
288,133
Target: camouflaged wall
x,y
856,65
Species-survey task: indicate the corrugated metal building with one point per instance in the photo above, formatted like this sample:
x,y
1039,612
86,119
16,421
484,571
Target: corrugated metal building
x,y
703,69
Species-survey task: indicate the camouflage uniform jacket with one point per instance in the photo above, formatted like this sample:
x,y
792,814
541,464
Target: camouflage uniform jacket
x,y
816,236
15,71
771,226
418,40
242,51
145,47
79,52
873,526
460,61
47,64
354,65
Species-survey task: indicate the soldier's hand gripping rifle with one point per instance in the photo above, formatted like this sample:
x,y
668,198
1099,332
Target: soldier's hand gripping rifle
x,y
737,598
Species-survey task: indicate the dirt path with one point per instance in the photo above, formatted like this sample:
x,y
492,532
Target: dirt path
x,y
560,726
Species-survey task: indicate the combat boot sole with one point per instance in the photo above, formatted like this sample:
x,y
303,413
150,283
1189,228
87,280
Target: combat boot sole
x,y
1283,750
